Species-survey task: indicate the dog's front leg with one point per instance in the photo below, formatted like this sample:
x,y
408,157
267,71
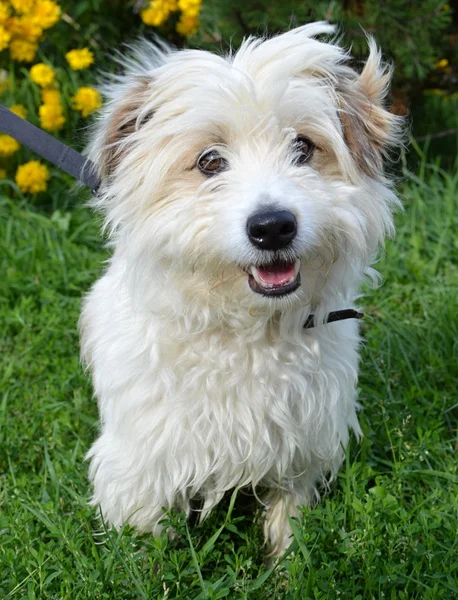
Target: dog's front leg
x,y
282,504
277,530
130,489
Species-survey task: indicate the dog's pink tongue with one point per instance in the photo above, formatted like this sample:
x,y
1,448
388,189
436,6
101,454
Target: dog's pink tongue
x,y
276,274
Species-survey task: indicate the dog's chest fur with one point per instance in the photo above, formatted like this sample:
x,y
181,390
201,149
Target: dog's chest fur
x,y
217,408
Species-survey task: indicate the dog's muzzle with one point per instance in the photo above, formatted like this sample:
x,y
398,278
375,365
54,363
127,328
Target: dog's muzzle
x,y
273,230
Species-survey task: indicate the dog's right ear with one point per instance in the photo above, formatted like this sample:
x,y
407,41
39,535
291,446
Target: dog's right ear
x,y
122,117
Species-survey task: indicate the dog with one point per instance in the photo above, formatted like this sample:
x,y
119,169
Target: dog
x,y
241,194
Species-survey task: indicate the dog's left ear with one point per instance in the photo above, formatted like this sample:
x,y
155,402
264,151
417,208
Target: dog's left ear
x,y
369,128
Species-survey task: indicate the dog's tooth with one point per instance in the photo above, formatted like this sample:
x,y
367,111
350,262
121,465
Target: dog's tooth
x,y
255,274
297,266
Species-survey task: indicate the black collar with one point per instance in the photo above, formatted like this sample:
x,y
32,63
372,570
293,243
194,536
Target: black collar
x,y
332,317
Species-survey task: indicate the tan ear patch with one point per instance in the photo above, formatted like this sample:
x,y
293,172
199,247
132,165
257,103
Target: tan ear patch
x,y
123,122
369,128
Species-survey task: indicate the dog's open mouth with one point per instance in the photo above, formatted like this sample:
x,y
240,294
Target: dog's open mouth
x,y
275,279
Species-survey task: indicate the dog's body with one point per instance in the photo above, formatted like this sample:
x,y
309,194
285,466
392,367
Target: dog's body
x,y
242,195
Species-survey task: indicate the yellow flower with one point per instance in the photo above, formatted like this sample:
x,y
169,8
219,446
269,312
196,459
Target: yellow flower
x,y
190,8
3,174
42,74
46,13
154,16
158,12
187,25
51,117
87,100
32,177
25,28
23,51
50,96
22,6
19,110
442,64
80,59
4,38
4,12
8,145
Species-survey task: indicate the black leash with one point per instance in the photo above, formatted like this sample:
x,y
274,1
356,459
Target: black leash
x,y
78,166
64,157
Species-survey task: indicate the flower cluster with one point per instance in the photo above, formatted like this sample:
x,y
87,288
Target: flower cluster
x,y
22,23
189,17
80,59
19,110
159,11
51,111
22,29
9,145
32,177
42,74
86,100
443,66
56,87
51,114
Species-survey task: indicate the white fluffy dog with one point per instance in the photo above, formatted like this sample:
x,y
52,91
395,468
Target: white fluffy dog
x,y
242,195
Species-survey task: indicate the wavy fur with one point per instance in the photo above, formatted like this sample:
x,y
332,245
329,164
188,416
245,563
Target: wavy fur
x,y
203,385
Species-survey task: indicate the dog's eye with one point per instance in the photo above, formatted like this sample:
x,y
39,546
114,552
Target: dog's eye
x,y
211,163
304,149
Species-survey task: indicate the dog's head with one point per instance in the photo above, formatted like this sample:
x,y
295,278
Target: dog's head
x,y
253,180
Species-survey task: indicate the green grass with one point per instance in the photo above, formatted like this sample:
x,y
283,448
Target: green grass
x,y
387,530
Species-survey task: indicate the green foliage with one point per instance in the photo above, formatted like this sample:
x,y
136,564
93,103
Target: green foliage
x,y
103,25
437,112
388,529
412,34
415,36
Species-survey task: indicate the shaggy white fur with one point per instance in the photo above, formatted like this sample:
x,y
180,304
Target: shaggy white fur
x,y
204,382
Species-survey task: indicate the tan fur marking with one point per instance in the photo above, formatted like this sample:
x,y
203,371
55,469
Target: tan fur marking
x,y
123,122
369,128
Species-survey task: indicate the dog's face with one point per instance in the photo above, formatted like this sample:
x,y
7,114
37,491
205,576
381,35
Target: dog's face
x,y
251,180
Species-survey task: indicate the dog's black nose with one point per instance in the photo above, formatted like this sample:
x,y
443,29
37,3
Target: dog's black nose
x,y
272,230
